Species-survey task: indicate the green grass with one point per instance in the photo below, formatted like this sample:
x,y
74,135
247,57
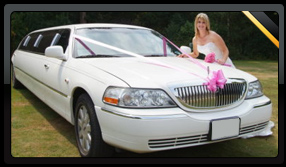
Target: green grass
x,y
38,131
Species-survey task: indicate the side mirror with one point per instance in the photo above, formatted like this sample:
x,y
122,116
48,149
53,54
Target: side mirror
x,y
186,49
56,52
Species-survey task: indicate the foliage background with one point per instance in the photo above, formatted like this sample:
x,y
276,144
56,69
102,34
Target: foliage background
x,y
36,131
244,40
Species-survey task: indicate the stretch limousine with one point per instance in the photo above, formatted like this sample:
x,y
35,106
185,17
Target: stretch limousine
x,y
124,87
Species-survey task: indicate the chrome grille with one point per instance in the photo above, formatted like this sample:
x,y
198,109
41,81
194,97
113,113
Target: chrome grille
x,y
199,96
178,141
198,139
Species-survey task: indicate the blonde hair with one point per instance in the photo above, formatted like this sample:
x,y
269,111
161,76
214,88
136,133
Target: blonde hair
x,y
205,18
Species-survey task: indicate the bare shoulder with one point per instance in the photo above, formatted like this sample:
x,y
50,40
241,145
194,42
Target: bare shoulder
x,y
214,35
194,40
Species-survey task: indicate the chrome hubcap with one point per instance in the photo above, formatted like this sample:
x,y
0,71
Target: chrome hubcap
x,y
84,129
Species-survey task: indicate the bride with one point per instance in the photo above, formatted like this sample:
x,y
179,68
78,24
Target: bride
x,y
207,41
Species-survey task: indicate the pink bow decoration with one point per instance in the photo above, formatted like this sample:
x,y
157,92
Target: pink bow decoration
x,y
210,58
217,80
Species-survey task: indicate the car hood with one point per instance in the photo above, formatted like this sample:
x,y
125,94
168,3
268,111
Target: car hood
x,y
143,74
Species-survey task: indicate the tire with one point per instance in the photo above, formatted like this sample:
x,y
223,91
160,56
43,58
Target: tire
x,y
15,82
87,130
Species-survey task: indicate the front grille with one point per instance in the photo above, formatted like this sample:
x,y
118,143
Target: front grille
x,y
198,139
173,142
199,96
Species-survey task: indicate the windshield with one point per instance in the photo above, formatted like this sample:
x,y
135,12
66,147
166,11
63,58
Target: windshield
x,y
140,41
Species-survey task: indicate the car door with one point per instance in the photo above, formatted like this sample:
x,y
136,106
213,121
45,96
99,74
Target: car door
x,y
55,74
28,64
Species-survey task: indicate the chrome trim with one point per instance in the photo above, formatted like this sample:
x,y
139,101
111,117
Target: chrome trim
x,y
262,104
252,128
197,96
177,141
144,117
199,139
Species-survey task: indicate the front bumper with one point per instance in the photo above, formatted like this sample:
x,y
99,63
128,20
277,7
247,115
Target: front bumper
x,y
148,130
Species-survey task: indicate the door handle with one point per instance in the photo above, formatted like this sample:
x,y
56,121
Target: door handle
x,y
46,66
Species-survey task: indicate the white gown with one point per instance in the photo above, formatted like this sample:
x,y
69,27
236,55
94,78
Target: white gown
x,y
211,47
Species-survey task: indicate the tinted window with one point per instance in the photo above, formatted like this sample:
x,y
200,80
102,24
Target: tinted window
x,y
40,37
45,41
39,41
29,45
26,41
64,40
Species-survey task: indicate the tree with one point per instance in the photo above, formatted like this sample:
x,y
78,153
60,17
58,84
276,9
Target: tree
x,y
82,16
243,38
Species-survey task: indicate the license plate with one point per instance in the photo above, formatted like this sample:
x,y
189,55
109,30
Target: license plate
x,y
225,128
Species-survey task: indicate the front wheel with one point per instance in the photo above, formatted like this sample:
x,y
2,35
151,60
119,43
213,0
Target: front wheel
x,y
87,130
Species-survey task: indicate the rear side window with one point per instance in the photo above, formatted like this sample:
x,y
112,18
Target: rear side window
x,y
56,39
45,41
39,41
26,41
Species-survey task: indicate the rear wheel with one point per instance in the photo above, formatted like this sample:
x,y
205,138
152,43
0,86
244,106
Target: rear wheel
x,y
87,130
15,82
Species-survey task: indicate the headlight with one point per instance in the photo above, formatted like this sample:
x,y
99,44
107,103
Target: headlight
x,y
254,90
137,98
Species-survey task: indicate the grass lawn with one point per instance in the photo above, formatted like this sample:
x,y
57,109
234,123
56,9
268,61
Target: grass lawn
x,y
38,131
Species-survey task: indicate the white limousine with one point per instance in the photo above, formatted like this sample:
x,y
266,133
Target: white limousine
x,y
124,87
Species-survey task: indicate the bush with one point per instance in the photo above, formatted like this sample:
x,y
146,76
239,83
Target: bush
x,y
243,39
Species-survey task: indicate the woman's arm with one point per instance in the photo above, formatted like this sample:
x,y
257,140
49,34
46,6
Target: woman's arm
x,y
222,46
195,52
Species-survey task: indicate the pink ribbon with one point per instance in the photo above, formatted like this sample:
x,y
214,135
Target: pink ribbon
x,y
85,46
225,64
175,68
186,54
213,82
217,80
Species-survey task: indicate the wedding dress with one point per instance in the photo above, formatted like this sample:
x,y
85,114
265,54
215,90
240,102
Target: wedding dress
x,y
211,47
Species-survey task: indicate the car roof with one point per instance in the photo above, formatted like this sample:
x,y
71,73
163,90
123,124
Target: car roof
x,y
90,25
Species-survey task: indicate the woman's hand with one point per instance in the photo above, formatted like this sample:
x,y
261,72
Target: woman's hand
x,y
221,61
182,56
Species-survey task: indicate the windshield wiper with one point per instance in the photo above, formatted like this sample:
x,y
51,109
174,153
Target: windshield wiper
x,y
96,56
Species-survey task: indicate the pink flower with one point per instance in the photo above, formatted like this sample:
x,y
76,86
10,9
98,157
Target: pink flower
x,y
210,58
